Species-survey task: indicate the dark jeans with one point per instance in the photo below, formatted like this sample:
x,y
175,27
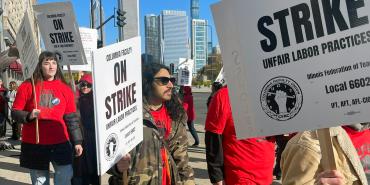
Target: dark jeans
x,y
16,130
193,132
2,125
281,142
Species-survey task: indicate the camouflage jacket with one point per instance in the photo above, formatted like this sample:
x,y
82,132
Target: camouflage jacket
x,y
146,160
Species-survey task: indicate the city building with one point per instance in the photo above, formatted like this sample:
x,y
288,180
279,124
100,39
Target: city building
x,y
194,13
209,49
152,38
175,36
199,43
216,49
12,16
2,43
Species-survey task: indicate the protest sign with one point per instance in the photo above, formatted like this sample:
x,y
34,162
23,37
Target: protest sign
x,y
184,73
117,101
26,44
220,77
89,38
295,65
60,33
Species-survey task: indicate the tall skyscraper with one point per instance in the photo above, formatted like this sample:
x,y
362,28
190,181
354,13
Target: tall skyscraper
x,y
194,4
200,44
152,38
175,36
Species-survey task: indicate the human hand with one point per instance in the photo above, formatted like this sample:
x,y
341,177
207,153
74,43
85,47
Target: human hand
x,y
124,163
34,114
78,150
219,183
330,177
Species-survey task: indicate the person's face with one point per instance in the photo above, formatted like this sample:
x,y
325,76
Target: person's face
x,y
162,85
85,87
12,86
49,68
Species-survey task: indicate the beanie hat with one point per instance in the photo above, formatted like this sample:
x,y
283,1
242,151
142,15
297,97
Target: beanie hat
x,y
87,78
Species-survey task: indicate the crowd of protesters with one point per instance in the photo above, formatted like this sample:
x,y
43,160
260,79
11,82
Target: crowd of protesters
x,y
66,137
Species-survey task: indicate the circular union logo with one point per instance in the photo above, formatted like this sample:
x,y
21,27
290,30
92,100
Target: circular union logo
x,y
111,145
281,98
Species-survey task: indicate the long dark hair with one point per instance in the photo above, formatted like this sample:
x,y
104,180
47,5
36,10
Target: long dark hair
x,y
37,74
173,106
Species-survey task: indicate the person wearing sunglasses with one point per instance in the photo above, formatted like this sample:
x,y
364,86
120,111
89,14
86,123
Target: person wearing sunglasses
x,y
85,169
162,157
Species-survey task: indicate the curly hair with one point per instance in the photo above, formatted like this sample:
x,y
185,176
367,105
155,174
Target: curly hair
x,y
173,106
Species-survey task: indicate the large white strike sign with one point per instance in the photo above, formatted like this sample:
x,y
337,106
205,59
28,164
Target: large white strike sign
x,y
295,65
89,38
60,32
185,71
118,101
28,52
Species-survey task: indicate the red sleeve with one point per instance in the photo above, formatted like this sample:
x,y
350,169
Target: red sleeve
x,y
70,101
218,112
23,94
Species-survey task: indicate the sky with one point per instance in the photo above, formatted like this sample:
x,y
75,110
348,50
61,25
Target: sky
x,y
82,13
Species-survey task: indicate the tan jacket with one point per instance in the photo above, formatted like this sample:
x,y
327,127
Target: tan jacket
x,y
300,161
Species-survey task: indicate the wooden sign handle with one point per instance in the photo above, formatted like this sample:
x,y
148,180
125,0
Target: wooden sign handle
x,y
125,178
73,85
35,102
327,152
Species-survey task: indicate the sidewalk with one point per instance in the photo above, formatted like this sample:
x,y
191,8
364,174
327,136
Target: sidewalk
x,y
202,89
12,174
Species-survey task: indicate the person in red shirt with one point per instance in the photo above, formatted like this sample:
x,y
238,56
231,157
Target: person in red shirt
x,y
3,109
162,156
188,104
57,119
229,160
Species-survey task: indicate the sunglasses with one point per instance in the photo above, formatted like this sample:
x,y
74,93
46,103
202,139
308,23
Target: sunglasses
x,y
165,80
85,84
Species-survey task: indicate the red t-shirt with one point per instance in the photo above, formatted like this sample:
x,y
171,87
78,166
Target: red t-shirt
x,y
55,99
361,141
163,123
246,161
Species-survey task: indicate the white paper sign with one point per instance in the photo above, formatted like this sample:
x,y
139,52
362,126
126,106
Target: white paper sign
x,y
118,101
89,38
295,65
184,73
60,33
26,45
220,77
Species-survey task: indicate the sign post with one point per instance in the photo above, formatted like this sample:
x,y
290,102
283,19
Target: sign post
x,y
29,57
60,33
295,65
117,101
185,71
298,68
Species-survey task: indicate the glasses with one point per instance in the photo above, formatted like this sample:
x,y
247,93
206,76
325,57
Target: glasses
x,y
85,84
164,80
